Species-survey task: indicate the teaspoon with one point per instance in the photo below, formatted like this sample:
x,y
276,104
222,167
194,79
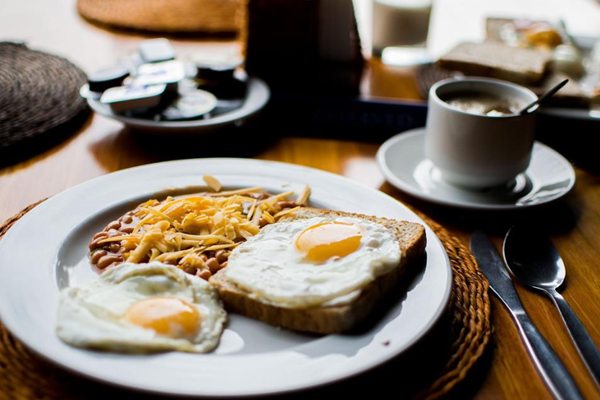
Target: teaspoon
x,y
542,98
535,262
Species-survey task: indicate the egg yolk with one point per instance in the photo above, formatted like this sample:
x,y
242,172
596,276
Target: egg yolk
x,y
330,239
166,316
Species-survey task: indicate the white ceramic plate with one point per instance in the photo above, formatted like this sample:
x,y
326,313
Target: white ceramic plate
x,y
403,163
257,96
47,250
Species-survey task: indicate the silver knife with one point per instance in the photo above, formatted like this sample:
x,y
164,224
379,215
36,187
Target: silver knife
x,y
553,371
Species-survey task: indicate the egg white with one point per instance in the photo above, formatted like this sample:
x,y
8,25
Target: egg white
x,y
90,315
274,271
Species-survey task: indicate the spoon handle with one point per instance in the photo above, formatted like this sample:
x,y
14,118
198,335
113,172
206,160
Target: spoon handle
x,y
546,95
584,343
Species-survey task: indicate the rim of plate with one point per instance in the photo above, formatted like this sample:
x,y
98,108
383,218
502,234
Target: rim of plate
x,y
405,187
54,355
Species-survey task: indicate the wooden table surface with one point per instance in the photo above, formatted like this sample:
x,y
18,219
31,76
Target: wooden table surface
x,y
102,146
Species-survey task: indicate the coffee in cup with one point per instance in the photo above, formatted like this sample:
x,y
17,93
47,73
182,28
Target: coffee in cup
x,y
484,103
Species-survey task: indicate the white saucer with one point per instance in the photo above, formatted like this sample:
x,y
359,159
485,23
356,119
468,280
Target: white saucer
x,y
402,161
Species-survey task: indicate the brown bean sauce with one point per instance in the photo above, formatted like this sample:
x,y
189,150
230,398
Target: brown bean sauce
x,y
105,255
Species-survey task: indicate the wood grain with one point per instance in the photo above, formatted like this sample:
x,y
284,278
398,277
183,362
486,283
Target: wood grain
x,y
102,146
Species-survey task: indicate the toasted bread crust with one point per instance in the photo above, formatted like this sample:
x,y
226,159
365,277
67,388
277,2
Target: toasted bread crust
x,y
496,60
336,318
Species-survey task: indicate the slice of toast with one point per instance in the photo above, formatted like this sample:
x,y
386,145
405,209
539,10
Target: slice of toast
x,y
340,317
498,60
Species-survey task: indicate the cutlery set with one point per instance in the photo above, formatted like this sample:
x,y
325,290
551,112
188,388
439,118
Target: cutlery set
x,y
534,261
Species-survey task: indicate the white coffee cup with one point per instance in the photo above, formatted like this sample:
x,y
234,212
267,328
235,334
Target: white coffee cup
x,y
478,151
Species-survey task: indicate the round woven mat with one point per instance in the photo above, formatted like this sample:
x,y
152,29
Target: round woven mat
x,y
24,375
164,16
39,97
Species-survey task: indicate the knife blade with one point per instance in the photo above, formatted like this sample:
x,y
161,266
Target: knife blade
x,y
553,372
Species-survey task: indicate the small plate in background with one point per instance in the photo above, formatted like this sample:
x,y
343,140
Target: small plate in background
x,y
257,96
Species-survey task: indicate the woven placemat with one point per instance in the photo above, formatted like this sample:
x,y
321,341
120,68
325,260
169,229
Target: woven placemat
x,y
164,16
39,98
24,375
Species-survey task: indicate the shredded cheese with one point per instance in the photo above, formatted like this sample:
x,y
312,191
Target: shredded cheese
x,y
185,231
212,182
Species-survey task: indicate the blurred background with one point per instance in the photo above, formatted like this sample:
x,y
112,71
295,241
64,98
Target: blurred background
x,y
356,69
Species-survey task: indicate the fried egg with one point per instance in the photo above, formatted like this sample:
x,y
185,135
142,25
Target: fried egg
x,y
142,308
307,262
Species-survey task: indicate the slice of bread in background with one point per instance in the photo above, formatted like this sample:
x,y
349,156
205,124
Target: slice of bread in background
x,y
498,60
334,318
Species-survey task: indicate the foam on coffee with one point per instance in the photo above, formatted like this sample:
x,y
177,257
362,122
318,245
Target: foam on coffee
x,y
483,103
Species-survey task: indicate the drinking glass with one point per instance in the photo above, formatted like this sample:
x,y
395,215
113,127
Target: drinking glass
x,y
400,31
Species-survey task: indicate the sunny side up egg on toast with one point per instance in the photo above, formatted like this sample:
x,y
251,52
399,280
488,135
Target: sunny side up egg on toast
x,y
319,271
